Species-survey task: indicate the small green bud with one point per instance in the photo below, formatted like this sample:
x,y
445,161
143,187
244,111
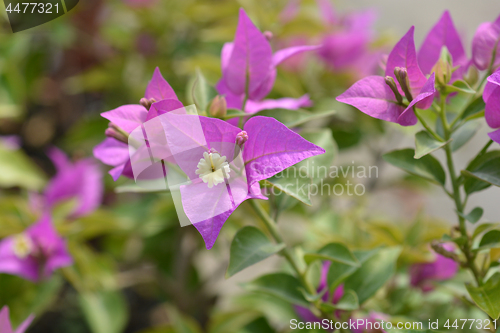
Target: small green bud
x,y
443,71
472,75
392,84
404,82
218,107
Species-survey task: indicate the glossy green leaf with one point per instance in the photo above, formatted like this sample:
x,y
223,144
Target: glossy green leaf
x,y
334,252
249,246
491,239
475,107
105,311
488,172
459,86
426,144
373,273
473,183
426,167
487,297
281,285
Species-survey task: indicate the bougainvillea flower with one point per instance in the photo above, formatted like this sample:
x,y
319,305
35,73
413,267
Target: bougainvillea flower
x,y
158,99
35,253
224,164
5,325
372,323
381,97
491,97
249,68
81,180
425,274
333,297
442,34
485,45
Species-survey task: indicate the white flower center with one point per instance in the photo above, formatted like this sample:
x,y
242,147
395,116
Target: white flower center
x,y
22,246
212,169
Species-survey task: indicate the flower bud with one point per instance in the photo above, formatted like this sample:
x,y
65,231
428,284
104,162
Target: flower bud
x,y
147,102
115,132
241,138
402,76
443,72
268,35
218,107
472,75
390,82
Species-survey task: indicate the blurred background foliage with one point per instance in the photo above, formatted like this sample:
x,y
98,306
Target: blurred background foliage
x,y
135,269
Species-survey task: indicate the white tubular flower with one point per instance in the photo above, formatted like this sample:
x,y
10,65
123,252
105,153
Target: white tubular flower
x,y
212,169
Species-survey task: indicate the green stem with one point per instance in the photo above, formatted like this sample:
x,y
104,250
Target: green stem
x,y
287,253
457,196
427,127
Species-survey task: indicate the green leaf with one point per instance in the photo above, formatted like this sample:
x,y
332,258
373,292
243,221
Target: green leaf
x,y
348,302
233,113
105,311
201,92
472,182
259,325
339,272
296,180
491,239
461,136
488,172
426,144
333,252
373,273
474,216
249,246
475,107
459,86
482,228
281,285
426,167
16,169
487,297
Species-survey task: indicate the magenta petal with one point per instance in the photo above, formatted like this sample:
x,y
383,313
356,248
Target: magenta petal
x,y
58,157
403,55
163,107
81,181
372,96
225,56
272,147
485,42
344,49
290,11
127,117
492,109
251,55
284,54
495,136
116,172
111,152
233,101
24,325
210,228
5,326
422,101
493,82
442,34
281,103
158,88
